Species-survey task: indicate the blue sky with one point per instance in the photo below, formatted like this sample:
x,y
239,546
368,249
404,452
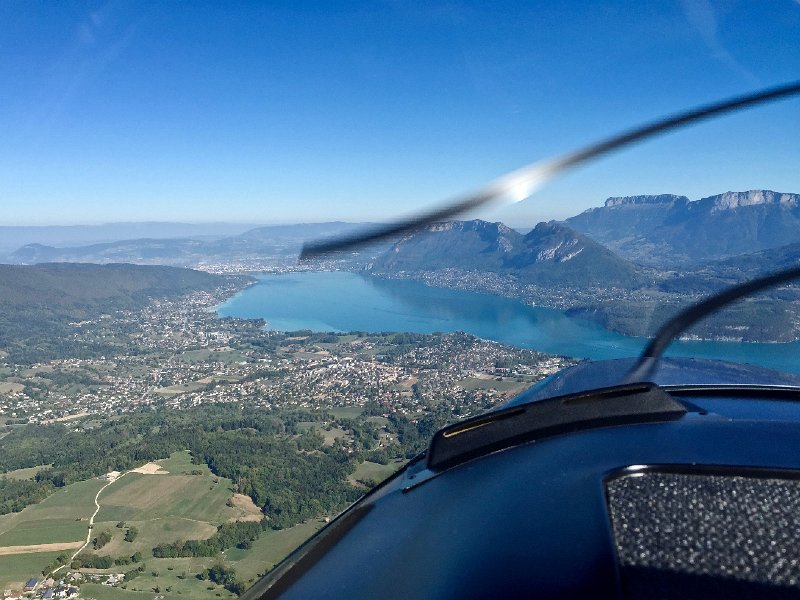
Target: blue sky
x,y
310,111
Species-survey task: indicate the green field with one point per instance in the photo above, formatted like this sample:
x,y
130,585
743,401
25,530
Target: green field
x,y
374,471
138,497
16,569
61,517
347,412
151,533
165,508
504,385
271,548
27,473
181,580
329,436
180,388
206,356
178,574
103,592
180,463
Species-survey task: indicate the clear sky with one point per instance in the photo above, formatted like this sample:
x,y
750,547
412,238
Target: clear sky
x,y
310,111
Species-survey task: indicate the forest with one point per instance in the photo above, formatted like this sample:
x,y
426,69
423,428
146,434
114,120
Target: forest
x,y
39,303
270,455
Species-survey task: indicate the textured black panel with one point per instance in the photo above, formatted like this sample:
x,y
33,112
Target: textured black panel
x,y
706,536
636,403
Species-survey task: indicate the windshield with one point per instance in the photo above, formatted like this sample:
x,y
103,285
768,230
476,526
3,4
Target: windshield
x,y
183,401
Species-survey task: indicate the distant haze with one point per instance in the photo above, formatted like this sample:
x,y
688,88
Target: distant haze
x,y
12,237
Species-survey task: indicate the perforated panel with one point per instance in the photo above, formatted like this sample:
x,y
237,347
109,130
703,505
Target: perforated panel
x,y
706,536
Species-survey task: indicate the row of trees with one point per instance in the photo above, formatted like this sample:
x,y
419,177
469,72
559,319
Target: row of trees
x,y
94,561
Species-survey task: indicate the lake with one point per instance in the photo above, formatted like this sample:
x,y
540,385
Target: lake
x,y
342,301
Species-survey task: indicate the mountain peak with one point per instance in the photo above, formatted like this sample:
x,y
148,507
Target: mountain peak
x,y
554,242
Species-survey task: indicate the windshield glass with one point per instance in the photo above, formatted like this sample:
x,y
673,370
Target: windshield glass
x,y
183,401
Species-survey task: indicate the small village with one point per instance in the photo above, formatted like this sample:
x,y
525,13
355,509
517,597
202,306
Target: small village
x,y
64,588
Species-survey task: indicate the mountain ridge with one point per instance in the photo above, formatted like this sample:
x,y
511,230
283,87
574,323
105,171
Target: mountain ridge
x,y
666,229
274,241
550,253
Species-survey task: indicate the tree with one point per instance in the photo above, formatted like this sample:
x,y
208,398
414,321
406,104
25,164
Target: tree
x,y
102,539
131,534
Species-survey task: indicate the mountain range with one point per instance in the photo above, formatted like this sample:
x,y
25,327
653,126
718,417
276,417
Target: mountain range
x,y
663,231
550,254
696,246
667,230
12,237
273,241
638,261
666,249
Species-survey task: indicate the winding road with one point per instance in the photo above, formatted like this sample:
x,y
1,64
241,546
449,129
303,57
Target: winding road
x,y
91,521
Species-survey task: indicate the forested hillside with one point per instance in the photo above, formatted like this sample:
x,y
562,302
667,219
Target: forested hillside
x,y
270,455
40,304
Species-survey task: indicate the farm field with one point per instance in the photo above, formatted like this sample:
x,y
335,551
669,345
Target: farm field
x,y
206,356
330,436
180,388
27,473
270,549
374,471
103,592
62,517
16,569
187,492
178,574
188,502
138,497
180,463
502,385
348,412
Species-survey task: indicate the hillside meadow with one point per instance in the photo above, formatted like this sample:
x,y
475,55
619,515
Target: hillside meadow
x,y
183,501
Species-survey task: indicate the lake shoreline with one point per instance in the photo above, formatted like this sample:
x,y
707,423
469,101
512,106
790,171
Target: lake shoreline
x,y
347,301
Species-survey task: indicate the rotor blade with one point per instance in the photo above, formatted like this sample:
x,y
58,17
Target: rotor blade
x,y
536,174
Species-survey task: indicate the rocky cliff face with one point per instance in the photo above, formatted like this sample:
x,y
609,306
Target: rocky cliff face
x,y
734,200
668,230
661,200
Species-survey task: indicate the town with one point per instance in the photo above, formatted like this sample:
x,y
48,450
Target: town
x,y
181,354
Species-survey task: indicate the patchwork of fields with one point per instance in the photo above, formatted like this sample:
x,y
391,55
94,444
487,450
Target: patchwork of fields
x,y
181,501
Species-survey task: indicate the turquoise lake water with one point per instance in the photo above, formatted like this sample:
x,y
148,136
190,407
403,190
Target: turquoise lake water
x,y
341,301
